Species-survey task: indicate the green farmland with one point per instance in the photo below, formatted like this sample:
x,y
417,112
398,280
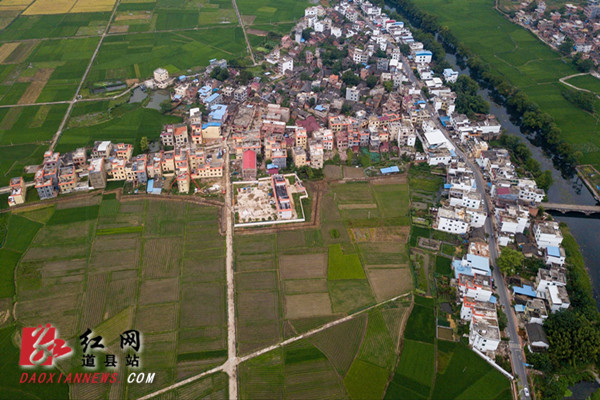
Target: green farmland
x,y
586,82
111,266
525,61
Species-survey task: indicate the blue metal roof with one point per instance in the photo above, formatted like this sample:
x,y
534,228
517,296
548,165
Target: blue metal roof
x,y
212,97
209,124
519,308
423,53
271,166
389,170
493,299
478,262
553,251
526,290
150,186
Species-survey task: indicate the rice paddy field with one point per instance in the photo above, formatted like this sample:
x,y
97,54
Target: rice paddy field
x,y
98,263
527,62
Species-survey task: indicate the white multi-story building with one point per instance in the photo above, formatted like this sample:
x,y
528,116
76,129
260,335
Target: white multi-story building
x,y
557,298
286,64
452,220
476,287
547,233
484,334
352,93
547,278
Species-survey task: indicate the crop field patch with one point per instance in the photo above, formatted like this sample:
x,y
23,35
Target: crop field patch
x,y
56,253
416,366
303,266
157,318
346,193
420,325
256,335
350,295
255,265
343,266
256,306
95,295
365,380
262,280
307,305
159,291
388,283
92,6
36,86
6,50
114,260
49,7
340,343
203,304
162,257
296,286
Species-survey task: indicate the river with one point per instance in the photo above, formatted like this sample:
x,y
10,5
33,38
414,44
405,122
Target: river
x,y
569,191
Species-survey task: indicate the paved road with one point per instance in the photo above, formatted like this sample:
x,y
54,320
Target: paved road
x,y
230,366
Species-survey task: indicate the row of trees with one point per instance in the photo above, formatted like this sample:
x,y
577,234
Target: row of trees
x,y
538,125
523,159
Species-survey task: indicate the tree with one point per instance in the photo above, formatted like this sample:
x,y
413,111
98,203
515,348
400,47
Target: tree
x,y
405,49
388,85
220,74
573,339
349,156
245,76
346,108
371,81
566,47
144,144
306,33
509,260
350,78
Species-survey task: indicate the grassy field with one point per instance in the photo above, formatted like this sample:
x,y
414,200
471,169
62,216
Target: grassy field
x,y
136,56
113,266
525,61
586,82
268,11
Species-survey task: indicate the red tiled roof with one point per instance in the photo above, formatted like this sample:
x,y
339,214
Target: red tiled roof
x,y
249,160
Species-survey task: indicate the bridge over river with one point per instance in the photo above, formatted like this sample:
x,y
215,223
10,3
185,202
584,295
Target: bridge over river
x,y
565,208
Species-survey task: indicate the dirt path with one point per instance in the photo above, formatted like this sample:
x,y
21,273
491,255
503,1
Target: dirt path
x,y
232,364
564,79
237,12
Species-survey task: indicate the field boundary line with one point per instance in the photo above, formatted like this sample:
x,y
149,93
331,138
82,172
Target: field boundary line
x,y
241,21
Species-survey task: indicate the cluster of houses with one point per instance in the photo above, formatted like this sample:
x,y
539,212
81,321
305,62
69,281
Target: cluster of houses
x,y
580,23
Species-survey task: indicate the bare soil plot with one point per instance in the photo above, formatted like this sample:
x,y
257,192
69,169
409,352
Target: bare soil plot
x,y
388,283
157,318
297,286
307,305
256,335
36,86
56,253
203,270
333,172
353,173
120,295
159,291
54,269
116,242
303,266
118,28
68,234
84,202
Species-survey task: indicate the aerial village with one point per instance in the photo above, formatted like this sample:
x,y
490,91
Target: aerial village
x,y
366,85
575,25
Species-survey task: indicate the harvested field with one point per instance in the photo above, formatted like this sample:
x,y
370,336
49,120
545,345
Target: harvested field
x,y
255,265
388,283
121,294
118,28
353,173
114,260
157,318
333,172
6,50
307,305
52,253
256,335
36,86
92,6
44,7
350,295
159,291
203,270
303,266
84,202
116,242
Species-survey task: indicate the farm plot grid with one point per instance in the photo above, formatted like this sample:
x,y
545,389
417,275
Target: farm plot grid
x,y
293,281
81,265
